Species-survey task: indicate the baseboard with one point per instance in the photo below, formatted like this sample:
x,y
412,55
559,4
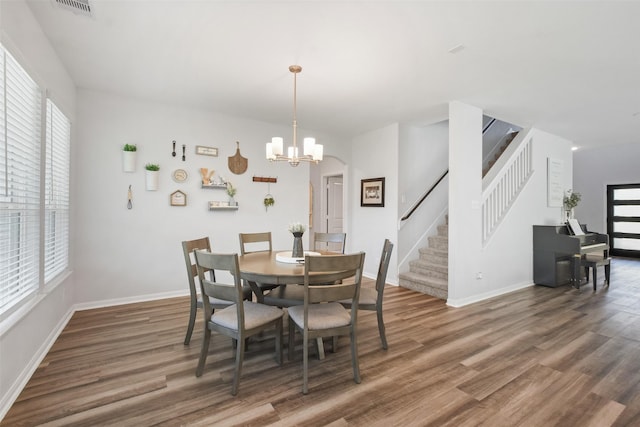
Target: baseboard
x,y
16,388
481,297
130,300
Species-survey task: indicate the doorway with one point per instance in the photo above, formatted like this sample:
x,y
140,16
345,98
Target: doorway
x,y
333,214
623,219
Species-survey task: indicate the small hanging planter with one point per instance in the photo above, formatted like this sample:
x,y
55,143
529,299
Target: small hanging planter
x,y
129,158
268,201
152,176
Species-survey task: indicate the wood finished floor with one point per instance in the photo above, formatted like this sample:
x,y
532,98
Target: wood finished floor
x,y
536,357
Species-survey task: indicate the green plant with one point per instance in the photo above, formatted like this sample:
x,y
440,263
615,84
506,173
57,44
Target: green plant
x,y
571,200
152,167
231,190
130,147
268,201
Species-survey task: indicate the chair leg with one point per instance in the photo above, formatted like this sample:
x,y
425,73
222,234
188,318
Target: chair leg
x,y
279,325
305,362
320,348
203,351
292,333
595,276
381,329
239,358
354,356
607,272
192,322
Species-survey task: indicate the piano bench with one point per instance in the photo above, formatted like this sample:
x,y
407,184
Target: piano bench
x,y
595,261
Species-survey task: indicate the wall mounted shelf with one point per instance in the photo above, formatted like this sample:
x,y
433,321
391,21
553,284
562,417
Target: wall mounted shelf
x,y
215,186
215,206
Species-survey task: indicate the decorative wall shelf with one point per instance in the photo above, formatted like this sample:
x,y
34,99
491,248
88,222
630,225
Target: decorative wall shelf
x,y
215,186
214,206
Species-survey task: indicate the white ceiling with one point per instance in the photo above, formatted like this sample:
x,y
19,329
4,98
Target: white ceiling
x,y
569,68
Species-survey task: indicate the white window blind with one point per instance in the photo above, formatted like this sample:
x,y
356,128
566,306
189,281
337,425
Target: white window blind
x,y
20,141
56,197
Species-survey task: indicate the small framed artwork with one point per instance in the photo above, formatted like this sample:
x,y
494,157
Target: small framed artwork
x,y
372,192
178,198
206,151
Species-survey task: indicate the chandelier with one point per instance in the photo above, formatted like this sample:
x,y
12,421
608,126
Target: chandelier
x,y
312,151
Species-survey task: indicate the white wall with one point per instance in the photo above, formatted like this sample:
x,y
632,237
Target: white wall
x,y
137,253
593,170
465,195
375,155
26,336
424,157
506,262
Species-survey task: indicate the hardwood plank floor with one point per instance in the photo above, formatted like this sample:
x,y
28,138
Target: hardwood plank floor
x,y
536,357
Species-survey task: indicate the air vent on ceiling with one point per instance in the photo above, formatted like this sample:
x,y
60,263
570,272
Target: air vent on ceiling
x,y
81,7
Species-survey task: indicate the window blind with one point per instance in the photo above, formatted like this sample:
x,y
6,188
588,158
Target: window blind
x,y
56,197
20,139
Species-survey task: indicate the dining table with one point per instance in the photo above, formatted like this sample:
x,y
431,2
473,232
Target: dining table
x,y
278,268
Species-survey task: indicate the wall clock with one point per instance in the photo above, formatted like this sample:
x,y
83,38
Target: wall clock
x,y
180,175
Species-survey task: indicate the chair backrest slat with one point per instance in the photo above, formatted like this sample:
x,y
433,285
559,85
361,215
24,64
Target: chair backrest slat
x,y
330,268
221,262
249,241
334,242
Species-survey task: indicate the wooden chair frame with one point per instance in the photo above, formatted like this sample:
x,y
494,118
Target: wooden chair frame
x,y
267,316
326,238
366,300
324,296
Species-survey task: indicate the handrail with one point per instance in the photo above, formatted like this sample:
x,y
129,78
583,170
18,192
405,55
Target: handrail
x,y
486,128
419,202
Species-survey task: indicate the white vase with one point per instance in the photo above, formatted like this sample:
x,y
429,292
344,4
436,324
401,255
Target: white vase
x,y
152,180
128,161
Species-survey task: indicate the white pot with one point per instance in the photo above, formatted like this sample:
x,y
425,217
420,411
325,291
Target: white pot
x,y
152,180
129,161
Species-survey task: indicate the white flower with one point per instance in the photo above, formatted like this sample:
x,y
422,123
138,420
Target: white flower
x,y
297,227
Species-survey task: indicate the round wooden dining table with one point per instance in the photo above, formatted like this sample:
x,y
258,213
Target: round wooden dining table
x,y
263,267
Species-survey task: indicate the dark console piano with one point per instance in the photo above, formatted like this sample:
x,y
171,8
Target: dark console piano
x,y
557,254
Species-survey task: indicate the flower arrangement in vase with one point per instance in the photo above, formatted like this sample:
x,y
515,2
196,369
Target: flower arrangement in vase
x,y
570,201
297,229
231,192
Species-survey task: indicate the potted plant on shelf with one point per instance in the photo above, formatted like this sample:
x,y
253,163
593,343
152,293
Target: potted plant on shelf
x,y
570,201
231,192
152,175
129,158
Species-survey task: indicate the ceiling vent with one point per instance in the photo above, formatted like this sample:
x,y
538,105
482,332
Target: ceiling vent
x,y
79,7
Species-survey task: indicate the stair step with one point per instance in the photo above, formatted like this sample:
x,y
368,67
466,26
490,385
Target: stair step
x,y
430,286
429,269
439,242
435,255
443,230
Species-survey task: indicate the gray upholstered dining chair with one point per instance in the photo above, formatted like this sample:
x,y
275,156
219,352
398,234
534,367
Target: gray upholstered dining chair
x,y
371,298
188,246
240,320
321,315
332,242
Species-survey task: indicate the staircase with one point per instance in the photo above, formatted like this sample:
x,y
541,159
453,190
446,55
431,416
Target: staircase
x,y
507,140
429,274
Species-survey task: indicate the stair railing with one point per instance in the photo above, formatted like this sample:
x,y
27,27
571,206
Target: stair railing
x,y
423,198
504,182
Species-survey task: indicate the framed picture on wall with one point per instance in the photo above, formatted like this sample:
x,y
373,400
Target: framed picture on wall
x,y
372,192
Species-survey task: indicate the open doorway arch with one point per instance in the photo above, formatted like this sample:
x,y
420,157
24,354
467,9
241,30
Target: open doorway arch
x,y
329,192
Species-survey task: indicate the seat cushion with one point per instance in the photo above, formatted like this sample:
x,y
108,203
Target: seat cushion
x,y
321,316
255,314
